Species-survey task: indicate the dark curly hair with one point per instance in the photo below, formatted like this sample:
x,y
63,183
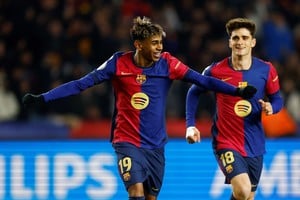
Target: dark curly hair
x,y
143,28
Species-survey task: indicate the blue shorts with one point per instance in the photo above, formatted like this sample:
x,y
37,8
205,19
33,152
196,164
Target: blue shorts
x,y
232,163
138,165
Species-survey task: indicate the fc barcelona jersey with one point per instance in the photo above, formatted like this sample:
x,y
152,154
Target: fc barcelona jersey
x,y
237,123
140,96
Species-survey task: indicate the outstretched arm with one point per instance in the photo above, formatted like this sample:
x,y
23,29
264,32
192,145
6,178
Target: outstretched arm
x,y
64,90
216,85
102,73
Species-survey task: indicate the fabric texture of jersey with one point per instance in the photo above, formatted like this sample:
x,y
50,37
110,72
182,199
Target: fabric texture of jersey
x,y
243,132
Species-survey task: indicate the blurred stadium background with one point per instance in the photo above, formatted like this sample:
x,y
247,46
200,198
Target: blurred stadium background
x,y
44,43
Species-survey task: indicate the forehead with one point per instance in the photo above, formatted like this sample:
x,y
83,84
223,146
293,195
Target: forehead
x,y
240,32
153,38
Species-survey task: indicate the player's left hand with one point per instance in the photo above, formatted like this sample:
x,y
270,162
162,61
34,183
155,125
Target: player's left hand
x,y
192,135
266,107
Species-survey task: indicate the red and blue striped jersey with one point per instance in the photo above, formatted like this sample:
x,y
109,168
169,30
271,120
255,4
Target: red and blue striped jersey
x,y
237,123
140,99
140,96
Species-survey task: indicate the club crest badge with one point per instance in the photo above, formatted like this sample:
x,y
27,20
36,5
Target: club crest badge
x,y
126,176
229,169
141,78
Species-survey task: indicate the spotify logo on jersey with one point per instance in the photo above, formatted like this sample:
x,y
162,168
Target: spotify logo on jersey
x,y
139,101
242,108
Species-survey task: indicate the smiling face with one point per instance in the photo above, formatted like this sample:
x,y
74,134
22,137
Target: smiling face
x,y
148,50
241,42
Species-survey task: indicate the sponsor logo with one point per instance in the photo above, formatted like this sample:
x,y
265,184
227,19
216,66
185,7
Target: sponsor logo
x,y
139,100
242,108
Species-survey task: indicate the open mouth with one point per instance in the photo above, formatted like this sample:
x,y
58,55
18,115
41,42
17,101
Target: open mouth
x,y
156,55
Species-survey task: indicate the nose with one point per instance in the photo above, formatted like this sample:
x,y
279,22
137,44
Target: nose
x,y
239,41
159,46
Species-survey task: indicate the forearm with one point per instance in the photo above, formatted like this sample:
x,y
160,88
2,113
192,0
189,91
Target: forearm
x,y
70,88
276,102
210,83
192,101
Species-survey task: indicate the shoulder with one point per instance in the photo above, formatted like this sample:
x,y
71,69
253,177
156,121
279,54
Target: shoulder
x,y
262,62
216,66
166,54
123,55
263,65
123,58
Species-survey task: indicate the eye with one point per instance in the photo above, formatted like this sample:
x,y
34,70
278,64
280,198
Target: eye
x,y
235,38
245,37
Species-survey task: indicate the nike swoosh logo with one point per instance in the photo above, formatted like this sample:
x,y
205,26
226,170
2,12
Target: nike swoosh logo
x,y
126,73
275,79
226,79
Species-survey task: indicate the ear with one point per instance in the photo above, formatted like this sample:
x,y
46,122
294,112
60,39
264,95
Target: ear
x,y
138,45
253,42
229,44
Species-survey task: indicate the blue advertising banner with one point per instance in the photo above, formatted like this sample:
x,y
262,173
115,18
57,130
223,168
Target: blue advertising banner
x,y
40,170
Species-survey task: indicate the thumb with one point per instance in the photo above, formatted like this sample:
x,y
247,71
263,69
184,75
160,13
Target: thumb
x,y
262,102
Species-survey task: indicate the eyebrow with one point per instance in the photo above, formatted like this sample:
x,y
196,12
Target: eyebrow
x,y
243,36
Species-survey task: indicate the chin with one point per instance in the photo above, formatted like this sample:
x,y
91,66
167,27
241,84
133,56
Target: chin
x,y
155,59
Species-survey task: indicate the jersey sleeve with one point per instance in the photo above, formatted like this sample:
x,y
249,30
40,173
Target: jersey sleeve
x,y
97,76
273,81
210,83
177,69
192,101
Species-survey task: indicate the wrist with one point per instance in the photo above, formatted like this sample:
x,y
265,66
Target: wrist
x,y
190,131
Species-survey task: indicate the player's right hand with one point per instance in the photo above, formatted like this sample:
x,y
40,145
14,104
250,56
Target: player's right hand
x,y
31,99
192,135
246,92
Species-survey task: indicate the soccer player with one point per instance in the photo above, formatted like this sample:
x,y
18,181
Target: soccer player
x,y
237,135
141,80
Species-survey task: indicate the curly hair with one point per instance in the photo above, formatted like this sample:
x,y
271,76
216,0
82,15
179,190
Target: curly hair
x,y
237,23
143,28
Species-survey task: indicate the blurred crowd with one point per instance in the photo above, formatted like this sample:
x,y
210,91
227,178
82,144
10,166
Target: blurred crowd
x,y
44,43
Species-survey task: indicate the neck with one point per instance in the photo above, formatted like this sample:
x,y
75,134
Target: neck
x,y
141,61
241,62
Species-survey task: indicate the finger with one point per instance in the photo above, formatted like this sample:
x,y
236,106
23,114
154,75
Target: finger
x,y
197,136
262,102
190,139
